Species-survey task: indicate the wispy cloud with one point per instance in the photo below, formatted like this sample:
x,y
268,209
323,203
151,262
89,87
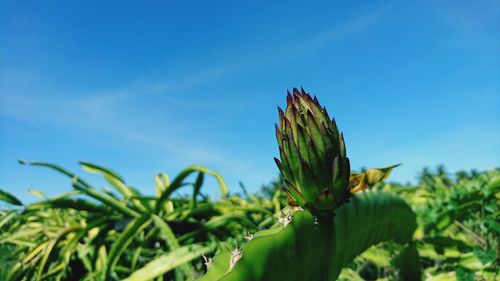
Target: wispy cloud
x,y
330,34
121,115
471,25
153,111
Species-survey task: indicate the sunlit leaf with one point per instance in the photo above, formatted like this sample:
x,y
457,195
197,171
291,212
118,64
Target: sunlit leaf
x,y
369,178
167,262
9,198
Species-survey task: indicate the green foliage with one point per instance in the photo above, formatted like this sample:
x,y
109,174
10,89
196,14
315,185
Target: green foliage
x,y
326,233
316,248
90,234
9,198
458,229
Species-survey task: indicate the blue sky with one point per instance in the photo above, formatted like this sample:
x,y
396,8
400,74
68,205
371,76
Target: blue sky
x,y
156,86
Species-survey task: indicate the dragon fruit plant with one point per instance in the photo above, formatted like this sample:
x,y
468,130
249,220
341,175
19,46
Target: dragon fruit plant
x,y
313,155
326,226
313,162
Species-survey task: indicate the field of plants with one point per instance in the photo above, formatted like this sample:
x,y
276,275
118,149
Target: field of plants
x,y
444,227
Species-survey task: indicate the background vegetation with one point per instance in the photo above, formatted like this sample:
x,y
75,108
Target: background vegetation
x,y
118,233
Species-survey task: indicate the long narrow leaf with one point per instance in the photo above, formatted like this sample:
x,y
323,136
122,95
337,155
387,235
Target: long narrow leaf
x,y
48,250
172,242
56,168
9,198
68,203
37,193
166,263
107,200
196,189
126,237
162,182
178,182
117,182
7,217
69,249
93,168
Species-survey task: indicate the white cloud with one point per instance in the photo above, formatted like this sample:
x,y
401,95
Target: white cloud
x,y
328,35
118,117
134,113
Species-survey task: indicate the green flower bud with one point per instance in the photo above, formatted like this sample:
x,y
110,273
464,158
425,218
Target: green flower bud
x,y
313,155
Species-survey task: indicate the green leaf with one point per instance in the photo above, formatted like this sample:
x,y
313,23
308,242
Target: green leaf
x,y
172,242
447,217
196,189
71,245
162,182
125,238
37,193
118,183
494,184
108,200
408,263
485,256
166,263
317,249
369,178
7,217
68,203
464,274
58,169
378,256
178,183
93,168
470,261
102,258
9,198
50,247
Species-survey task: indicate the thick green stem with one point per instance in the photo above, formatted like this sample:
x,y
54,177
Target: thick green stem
x,y
312,248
